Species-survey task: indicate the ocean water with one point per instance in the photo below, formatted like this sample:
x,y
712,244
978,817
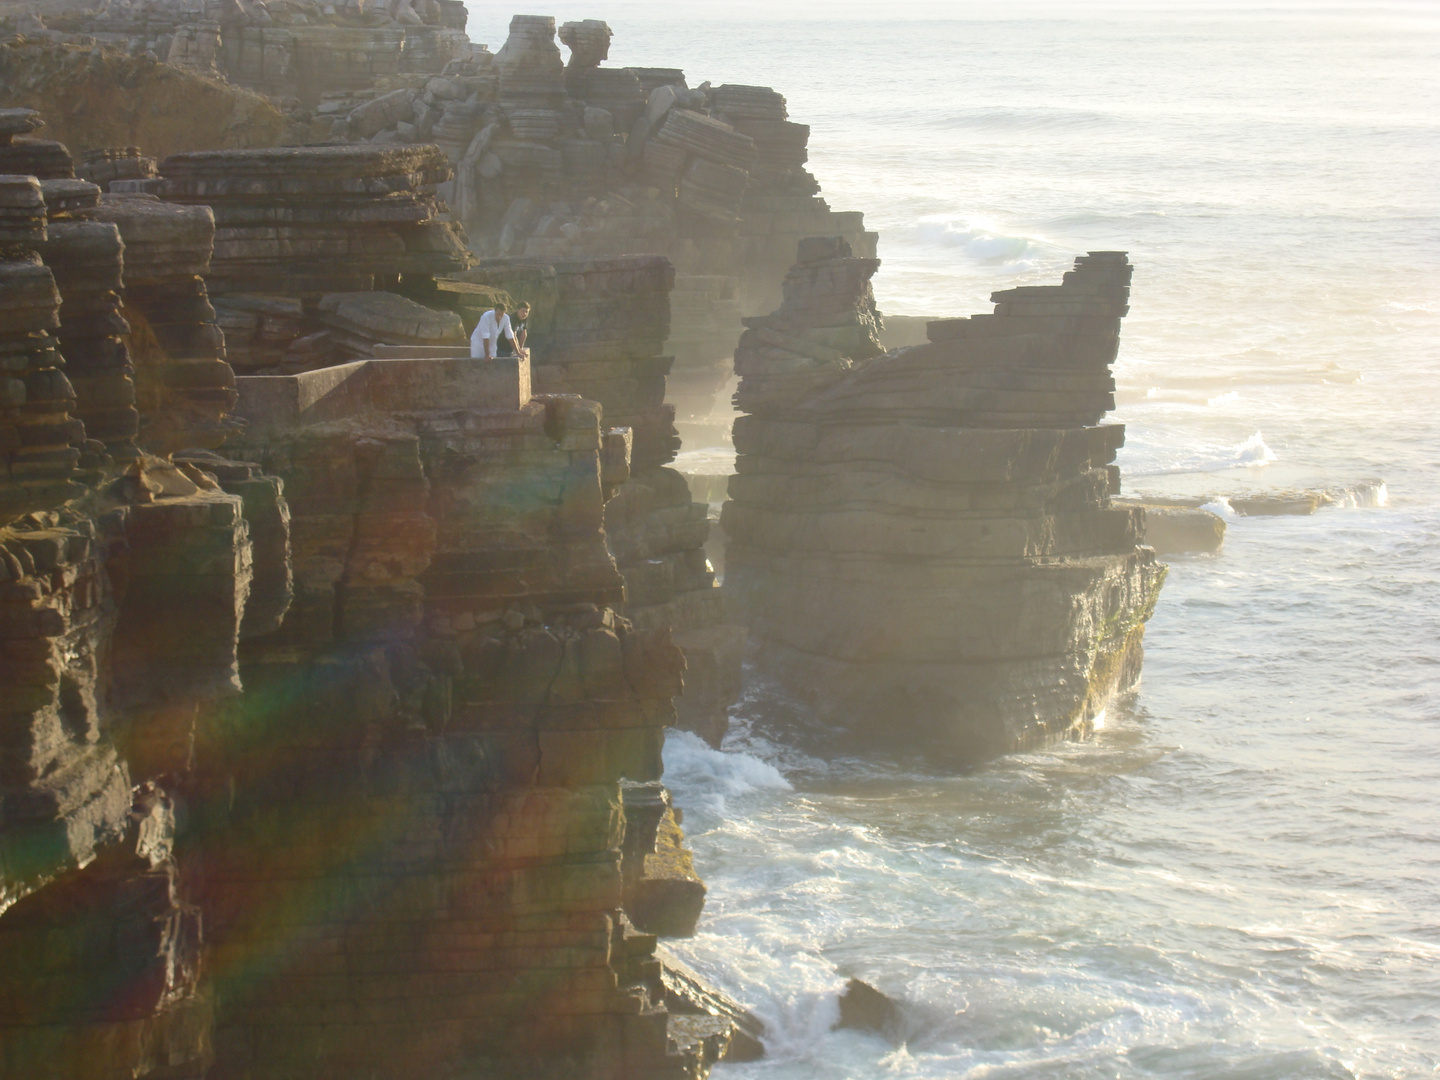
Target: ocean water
x,y
1239,875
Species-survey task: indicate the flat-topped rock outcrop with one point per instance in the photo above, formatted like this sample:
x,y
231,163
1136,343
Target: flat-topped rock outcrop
x,y
306,220
301,232
923,541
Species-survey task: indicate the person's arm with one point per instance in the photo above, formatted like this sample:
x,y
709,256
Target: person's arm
x,y
520,340
477,342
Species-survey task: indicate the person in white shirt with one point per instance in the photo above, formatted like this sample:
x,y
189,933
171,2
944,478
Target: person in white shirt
x,y
493,325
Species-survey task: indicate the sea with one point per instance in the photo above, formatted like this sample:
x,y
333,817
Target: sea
x,y
1238,876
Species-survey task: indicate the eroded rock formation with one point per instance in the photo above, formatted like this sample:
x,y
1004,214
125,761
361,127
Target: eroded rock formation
x,y
303,232
923,541
313,734
96,98
597,329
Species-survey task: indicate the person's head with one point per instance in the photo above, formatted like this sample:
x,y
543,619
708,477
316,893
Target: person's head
x,y
499,308
523,311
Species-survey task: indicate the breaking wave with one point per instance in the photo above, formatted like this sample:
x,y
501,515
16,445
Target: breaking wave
x,y
982,242
1221,508
709,776
1254,451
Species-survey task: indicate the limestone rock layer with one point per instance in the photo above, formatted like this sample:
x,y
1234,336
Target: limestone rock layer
x,y
923,541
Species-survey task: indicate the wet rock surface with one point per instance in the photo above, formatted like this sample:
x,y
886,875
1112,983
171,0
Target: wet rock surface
x,y
865,1008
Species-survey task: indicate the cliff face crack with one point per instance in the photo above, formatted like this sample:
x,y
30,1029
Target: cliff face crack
x,y
365,453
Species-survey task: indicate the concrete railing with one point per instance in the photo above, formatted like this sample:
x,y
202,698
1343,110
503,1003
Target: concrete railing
x,y
384,385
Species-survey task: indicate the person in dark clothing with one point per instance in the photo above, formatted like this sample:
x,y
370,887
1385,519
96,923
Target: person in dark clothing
x,y
515,344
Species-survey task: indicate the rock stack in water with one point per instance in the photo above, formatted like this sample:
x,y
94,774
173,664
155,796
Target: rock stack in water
x,y
923,541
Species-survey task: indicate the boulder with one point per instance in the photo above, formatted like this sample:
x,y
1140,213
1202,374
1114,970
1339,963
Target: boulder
x,y
529,64
588,41
864,1008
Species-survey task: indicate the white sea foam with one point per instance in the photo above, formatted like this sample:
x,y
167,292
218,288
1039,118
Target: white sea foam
x,y
708,776
1370,493
983,242
1162,459
1220,507
1253,451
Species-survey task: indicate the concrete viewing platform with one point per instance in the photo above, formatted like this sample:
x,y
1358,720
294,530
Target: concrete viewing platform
x,y
396,380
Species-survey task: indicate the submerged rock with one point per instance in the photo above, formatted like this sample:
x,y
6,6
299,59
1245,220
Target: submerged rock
x,y
705,1005
864,1008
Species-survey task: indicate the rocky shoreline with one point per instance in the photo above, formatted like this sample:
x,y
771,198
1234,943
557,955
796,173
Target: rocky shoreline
x,y
337,666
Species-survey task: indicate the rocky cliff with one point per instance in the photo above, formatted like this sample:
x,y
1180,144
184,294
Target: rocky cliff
x,y
922,541
336,667
552,159
324,748
597,329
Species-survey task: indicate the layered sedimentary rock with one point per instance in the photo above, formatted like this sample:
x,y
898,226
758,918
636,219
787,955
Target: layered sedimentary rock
x,y
310,220
120,615
104,166
551,160
359,321
121,591
311,749
564,162
86,258
184,386
296,49
297,225
597,329
453,675
40,441
923,541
